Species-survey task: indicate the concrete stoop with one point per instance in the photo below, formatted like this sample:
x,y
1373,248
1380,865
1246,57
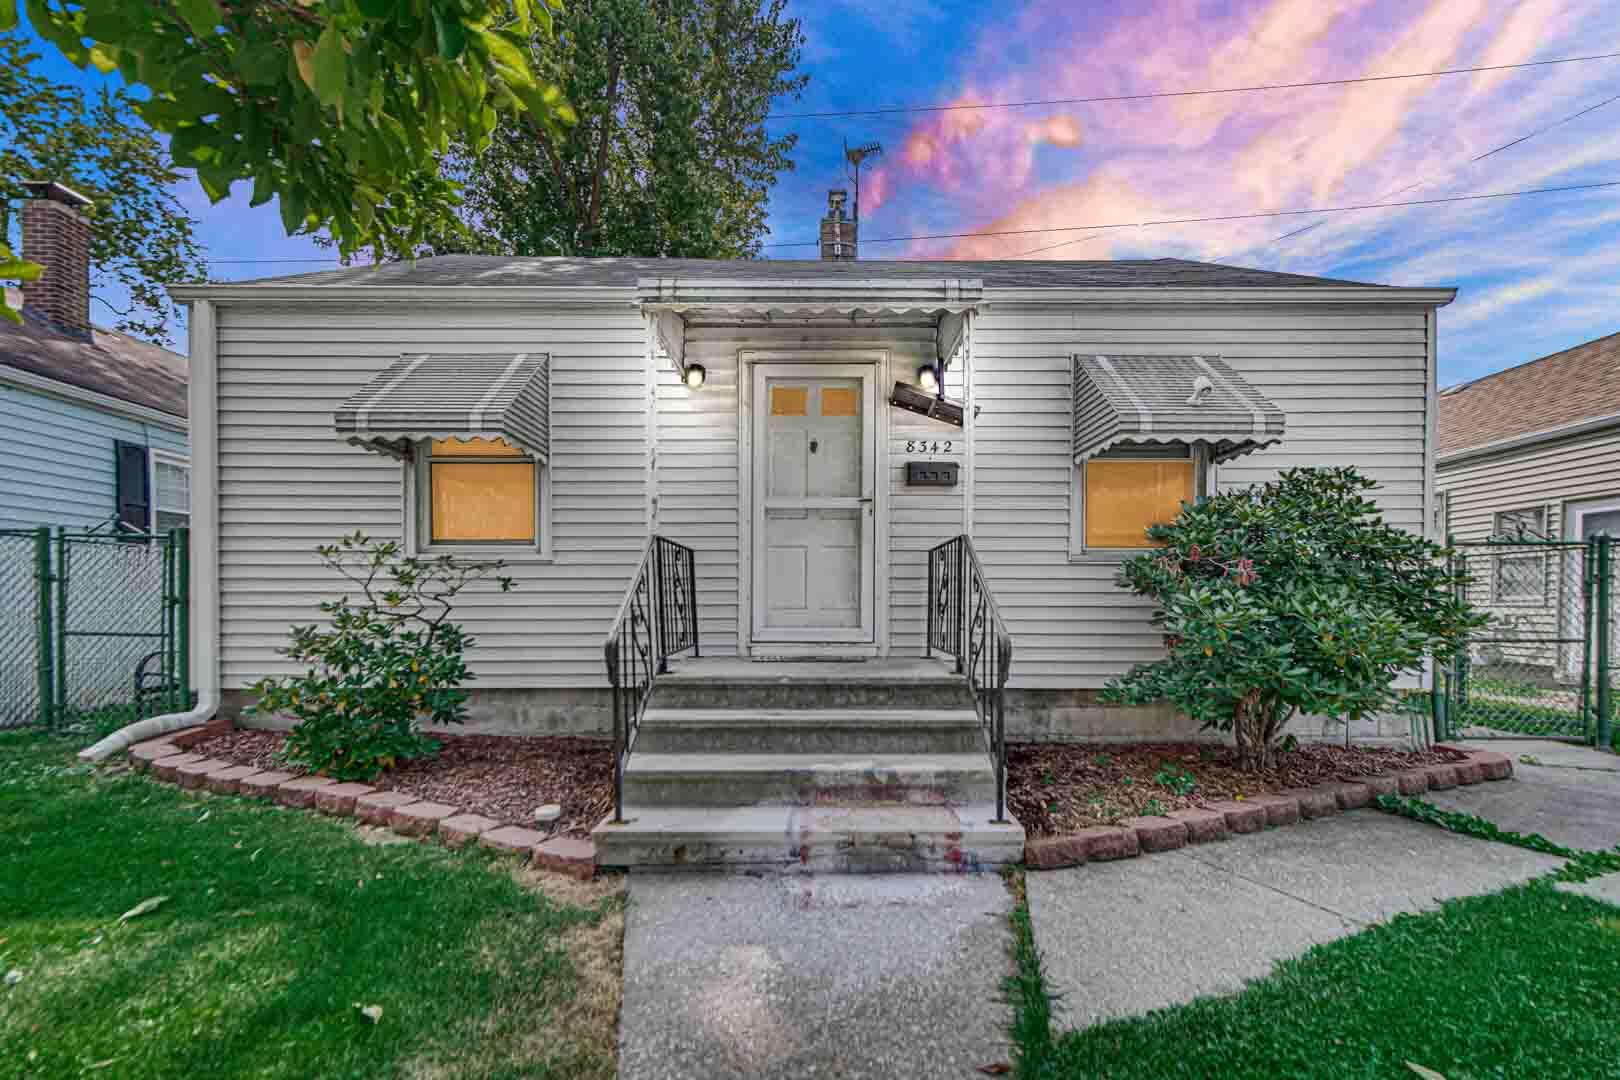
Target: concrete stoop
x,y
848,767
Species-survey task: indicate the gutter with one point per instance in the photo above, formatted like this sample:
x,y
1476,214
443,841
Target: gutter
x,y
1589,426
203,396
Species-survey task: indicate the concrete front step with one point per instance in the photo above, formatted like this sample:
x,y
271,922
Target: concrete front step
x,y
836,839
807,779
913,683
810,731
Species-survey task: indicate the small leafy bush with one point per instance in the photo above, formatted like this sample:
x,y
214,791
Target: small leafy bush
x,y
389,658
1177,781
1291,596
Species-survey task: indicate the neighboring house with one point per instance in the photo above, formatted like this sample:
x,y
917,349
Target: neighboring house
x,y
743,408
92,421
1533,451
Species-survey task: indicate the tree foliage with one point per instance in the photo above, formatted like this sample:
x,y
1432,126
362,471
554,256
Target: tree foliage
x,y
390,657
670,155
142,236
336,107
1292,596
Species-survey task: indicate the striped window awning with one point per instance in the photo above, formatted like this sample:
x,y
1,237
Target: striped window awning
x,y
452,397
1169,399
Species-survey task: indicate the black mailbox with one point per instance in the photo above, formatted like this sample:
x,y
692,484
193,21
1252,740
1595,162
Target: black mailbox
x,y
931,473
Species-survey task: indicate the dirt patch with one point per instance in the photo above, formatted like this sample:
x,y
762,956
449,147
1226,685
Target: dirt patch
x,y
1055,789
504,777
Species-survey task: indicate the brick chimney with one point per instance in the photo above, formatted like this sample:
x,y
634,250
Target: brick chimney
x,y
838,237
56,234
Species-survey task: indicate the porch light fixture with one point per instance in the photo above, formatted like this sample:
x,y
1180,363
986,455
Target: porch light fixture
x,y
928,378
692,376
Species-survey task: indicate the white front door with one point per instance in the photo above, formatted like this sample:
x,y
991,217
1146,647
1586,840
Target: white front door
x,y
815,453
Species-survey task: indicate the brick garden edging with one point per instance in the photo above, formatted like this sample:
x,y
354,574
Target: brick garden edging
x,y
1134,836
167,759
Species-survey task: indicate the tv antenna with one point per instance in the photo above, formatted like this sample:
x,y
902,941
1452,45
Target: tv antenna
x,y
855,157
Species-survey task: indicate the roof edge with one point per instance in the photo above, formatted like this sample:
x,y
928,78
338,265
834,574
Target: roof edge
x,y
1240,294
83,395
1588,426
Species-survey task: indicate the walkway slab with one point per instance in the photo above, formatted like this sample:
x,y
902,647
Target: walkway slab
x,y
801,975
1606,888
1572,796
1121,938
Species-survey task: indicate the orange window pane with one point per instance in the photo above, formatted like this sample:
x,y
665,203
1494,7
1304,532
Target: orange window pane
x,y
790,400
474,448
839,400
483,500
1124,497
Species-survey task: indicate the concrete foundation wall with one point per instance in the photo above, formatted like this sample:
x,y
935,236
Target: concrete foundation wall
x,y
1074,716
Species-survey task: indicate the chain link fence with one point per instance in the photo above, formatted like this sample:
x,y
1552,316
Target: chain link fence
x,y
94,627
1541,666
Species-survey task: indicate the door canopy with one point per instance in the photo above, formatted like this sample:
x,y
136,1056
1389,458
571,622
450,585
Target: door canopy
x,y
1170,399
452,397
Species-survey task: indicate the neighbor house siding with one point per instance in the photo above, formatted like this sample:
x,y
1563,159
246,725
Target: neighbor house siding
x,y
59,460
1352,382
287,483
698,467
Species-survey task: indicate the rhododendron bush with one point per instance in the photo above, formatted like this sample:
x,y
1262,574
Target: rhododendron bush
x,y
1290,597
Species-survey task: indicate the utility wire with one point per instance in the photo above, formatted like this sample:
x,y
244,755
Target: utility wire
x,y
1219,217
1100,98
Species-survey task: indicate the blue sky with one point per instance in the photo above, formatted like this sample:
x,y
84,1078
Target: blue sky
x,y
1536,273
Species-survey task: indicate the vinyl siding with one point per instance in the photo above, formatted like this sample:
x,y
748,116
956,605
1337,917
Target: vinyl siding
x,y
58,455
287,483
1351,381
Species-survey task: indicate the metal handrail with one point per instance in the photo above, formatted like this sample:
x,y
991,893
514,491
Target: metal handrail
x,y
656,620
964,622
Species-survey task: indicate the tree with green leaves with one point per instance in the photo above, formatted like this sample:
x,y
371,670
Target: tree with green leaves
x,y
142,236
338,108
670,155
1290,597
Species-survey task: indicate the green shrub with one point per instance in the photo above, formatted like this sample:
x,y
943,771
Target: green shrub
x,y
1291,596
388,659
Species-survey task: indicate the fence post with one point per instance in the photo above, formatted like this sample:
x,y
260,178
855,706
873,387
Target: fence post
x,y
59,701
1605,598
46,673
182,614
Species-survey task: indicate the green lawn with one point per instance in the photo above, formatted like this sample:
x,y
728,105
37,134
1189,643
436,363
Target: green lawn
x,y
277,926
1524,983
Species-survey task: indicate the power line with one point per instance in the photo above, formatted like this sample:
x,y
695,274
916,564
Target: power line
x,y
1100,98
1218,217
1401,191
226,262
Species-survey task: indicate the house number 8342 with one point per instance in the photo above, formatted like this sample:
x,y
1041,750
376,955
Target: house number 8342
x,y
923,446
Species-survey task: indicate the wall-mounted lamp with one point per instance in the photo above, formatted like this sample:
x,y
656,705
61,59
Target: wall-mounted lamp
x,y
693,376
928,378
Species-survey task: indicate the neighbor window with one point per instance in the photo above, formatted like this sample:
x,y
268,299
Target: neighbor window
x,y
171,487
1520,576
479,491
1123,491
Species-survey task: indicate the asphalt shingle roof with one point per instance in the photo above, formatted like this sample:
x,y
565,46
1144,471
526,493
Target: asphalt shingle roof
x,y
498,270
1580,383
109,363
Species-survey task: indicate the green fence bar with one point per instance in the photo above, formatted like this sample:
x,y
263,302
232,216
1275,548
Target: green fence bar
x,y
1605,598
59,699
182,629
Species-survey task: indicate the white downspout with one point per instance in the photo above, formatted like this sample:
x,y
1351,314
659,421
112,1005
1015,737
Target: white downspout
x,y
203,398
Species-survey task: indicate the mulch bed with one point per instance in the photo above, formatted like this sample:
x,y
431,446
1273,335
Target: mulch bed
x,y
504,777
1056,789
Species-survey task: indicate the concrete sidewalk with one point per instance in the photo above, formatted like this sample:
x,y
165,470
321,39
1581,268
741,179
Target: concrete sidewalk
x,y
801,975
1124,937
1570,795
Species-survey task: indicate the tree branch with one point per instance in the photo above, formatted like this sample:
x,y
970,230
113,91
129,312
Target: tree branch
x,y
593,211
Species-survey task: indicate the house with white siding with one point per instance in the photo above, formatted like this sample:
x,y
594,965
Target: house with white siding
x,y
92,421
810,432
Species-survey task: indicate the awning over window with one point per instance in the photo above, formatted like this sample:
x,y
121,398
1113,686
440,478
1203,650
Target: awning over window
x,y
461,397
1169,399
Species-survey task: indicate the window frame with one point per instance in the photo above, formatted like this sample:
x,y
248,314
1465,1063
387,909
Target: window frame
x,y
419,511
154,457
1203,476
1498,561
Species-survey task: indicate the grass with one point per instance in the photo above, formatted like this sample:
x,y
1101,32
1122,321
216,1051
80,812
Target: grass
x,y
277,928
1519,983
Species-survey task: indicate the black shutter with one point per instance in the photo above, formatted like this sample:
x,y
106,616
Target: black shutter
x,y
134,494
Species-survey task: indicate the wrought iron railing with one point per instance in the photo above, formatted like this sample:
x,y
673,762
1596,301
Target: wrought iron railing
x,y
657,620
964,623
